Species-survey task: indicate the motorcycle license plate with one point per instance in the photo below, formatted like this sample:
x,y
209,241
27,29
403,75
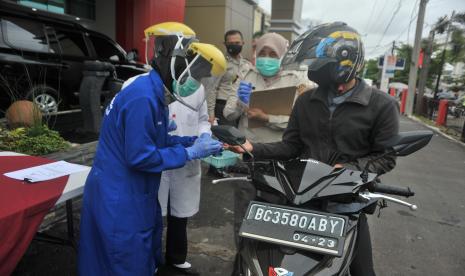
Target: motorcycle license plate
x,y
300,228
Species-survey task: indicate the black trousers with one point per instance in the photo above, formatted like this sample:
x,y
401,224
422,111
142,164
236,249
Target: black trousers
x,y
219,107
362,264
176,240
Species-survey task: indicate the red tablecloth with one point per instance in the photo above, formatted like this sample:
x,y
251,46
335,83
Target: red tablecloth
x,y
22,208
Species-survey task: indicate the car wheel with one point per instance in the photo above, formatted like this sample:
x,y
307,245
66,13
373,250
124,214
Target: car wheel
x,y
45,97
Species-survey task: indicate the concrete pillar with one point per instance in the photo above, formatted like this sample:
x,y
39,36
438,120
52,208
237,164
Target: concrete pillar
x,y
285,18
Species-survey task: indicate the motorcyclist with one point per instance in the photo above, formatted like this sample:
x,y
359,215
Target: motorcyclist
x,y
343,122
121,223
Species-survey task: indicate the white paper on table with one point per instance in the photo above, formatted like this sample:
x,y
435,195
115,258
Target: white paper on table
x,y
46,172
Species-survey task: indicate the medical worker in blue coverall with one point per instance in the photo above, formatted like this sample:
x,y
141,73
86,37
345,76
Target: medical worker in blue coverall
x,y
121,222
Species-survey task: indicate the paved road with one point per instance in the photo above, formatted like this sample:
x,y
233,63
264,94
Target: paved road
x,y
430,241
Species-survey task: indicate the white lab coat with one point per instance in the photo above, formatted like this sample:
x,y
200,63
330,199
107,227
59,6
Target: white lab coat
x,y
183,185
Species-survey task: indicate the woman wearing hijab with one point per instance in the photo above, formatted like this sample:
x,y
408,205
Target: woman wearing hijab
x,y
266,74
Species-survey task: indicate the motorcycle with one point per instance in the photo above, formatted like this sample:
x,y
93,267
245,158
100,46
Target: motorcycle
x,y
304,219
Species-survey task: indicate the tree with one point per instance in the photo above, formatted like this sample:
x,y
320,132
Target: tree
x,y
449,26
457,49
372,71
405,52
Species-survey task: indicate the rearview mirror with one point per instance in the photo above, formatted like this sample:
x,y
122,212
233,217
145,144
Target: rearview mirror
x,y
114,58
229,135
406,143
132,56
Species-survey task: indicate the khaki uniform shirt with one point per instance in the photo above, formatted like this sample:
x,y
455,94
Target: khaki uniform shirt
x,y
220,88
274,129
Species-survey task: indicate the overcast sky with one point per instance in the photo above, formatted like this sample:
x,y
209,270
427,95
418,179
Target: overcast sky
x,y
371,18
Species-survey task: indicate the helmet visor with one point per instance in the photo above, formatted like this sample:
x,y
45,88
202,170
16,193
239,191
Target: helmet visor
x,y
314,49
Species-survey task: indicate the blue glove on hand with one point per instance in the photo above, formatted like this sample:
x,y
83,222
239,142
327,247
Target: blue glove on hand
x,y
243,92
205,135
203,147
172,126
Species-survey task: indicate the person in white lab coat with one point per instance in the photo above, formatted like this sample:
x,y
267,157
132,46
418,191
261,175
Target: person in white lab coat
x,y
179,193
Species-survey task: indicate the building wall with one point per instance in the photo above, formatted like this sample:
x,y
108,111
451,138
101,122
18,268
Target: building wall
x,y
210,19
105,12
261,20
285,18
134,16
240,16
257,21
206,18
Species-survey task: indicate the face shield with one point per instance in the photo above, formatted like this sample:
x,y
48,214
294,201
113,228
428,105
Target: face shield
x,y
201,61
186,85
304,53
173,29
182,61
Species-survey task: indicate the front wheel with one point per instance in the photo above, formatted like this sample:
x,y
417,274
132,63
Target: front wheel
x,y
46,98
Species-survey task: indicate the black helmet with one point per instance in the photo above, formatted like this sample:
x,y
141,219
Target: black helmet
x,y
333,53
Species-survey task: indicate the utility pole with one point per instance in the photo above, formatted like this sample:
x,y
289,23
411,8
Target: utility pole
x,y
443,57
393,47
412,80
424,73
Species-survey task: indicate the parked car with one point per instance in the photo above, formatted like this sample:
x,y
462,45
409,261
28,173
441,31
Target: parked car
x,y
446,95
42,56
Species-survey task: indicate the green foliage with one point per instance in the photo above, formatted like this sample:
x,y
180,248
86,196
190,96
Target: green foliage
x,y
405,52
37,140
434,69
456,84
459,18
372,70
457,43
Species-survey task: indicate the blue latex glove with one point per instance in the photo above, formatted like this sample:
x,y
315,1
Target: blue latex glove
x,y
172,126
243,92
208,135
203,147
205,135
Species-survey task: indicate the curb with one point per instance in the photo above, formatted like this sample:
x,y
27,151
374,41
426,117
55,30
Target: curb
x,y
435,129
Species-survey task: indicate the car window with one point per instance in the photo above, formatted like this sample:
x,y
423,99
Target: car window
x,y
71,43
105,49
24,34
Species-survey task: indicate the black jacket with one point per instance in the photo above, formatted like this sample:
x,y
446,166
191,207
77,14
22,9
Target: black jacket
x,y
355,133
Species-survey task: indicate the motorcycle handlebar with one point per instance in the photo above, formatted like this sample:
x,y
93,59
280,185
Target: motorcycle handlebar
x,y
393,190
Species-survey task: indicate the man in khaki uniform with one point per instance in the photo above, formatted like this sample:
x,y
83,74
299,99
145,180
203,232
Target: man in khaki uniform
x,y
266,75
220,89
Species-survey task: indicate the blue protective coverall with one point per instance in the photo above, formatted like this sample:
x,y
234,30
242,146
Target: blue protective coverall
x,y
121,222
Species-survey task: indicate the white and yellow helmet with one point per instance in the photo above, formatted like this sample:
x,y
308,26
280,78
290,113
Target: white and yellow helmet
x,y
201,59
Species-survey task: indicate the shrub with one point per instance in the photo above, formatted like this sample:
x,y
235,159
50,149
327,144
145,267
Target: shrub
x,y
37,140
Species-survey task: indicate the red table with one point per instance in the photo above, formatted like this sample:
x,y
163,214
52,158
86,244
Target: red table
x,y
24,205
